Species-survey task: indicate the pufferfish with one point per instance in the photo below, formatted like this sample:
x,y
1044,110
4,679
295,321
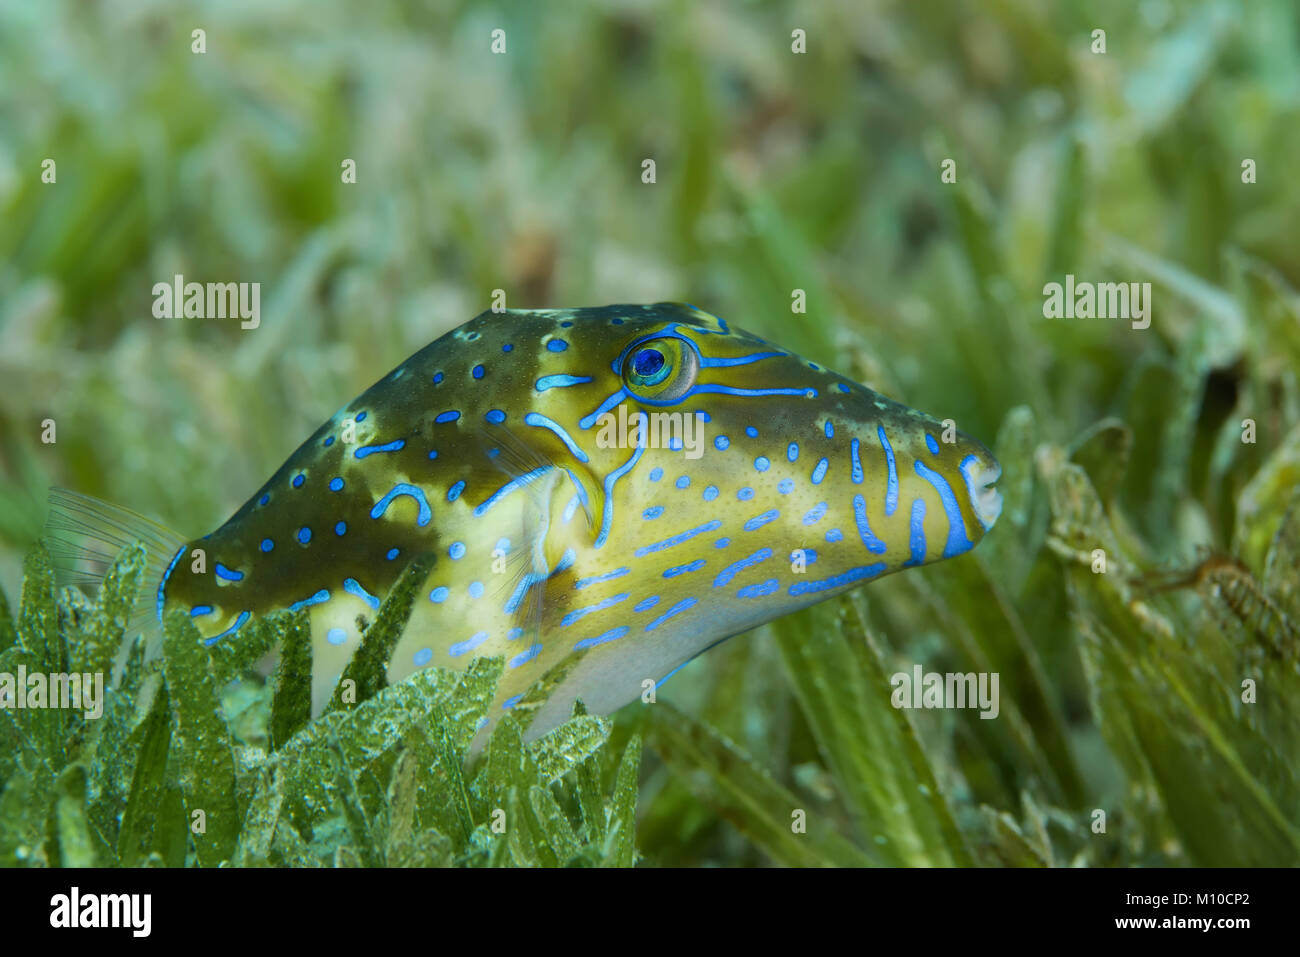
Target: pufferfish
x,y
634,483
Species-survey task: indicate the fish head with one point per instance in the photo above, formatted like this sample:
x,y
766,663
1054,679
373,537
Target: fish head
x,y
723,465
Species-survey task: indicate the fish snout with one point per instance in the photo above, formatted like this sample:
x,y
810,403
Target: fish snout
x,y
981,472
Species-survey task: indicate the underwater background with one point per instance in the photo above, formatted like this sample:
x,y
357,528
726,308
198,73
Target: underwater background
x,y
1157,689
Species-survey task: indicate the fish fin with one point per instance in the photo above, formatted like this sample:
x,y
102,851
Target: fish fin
x,y
85,535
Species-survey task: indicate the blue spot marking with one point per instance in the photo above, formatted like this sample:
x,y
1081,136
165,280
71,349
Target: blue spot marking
x,y
596,579
674,444
507,347
869,539
656,474
341,528
557,345
785,486
336,636
819,472
721,442
329,441
815,514
267,545
495,416
392,446
228,574
336,483
518,482
760,590
266,497
316,599
891,491
751,431
239,623
513,633
809,555
683,569
612,635
422,657
402,488
451,415
524,657
834,535
835,581
745,494
710,493
353,587
502,546
453,493
304,535
857,462
475,589
830,429
477,371
722,543
560,381
676,609
579,613
541,421
298,480
684,481
931,444
433,453
842,387
198,610
460,647
652,513
761,463
727,574
437,377
957,542
678,538
393,553
645,603
916,540
361,416
457,550
792,452
439,595
758,521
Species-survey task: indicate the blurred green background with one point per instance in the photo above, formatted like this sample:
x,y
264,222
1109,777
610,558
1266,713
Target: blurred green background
x,y
775,171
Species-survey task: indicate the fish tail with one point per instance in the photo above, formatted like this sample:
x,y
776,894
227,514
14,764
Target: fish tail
x,y
85,535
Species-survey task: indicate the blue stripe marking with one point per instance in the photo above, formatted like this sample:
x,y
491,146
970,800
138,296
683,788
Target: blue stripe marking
x,y
612,635
518,481
891,491
835,581
402,488
819,472
678,538
957,542
239,623
199,610
560,381
758,521
683,569
607,517
706,362
453,493
595,579
676,609
760,590
228,574
727,574
645,603
857,462
792,452
931,444
451,415
579,613
460,647
869,539
728,390
541,421
526,582
815,514
162,585
392,446
316,599
511,702
524,657
830,429
353,587
587,421
917,540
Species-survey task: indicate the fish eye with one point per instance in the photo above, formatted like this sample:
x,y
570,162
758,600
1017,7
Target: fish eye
x,y
660,370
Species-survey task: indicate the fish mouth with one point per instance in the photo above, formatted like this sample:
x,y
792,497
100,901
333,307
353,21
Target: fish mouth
x,y
986,501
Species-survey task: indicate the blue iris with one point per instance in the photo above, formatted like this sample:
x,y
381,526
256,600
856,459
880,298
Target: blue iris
x,y
648,364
